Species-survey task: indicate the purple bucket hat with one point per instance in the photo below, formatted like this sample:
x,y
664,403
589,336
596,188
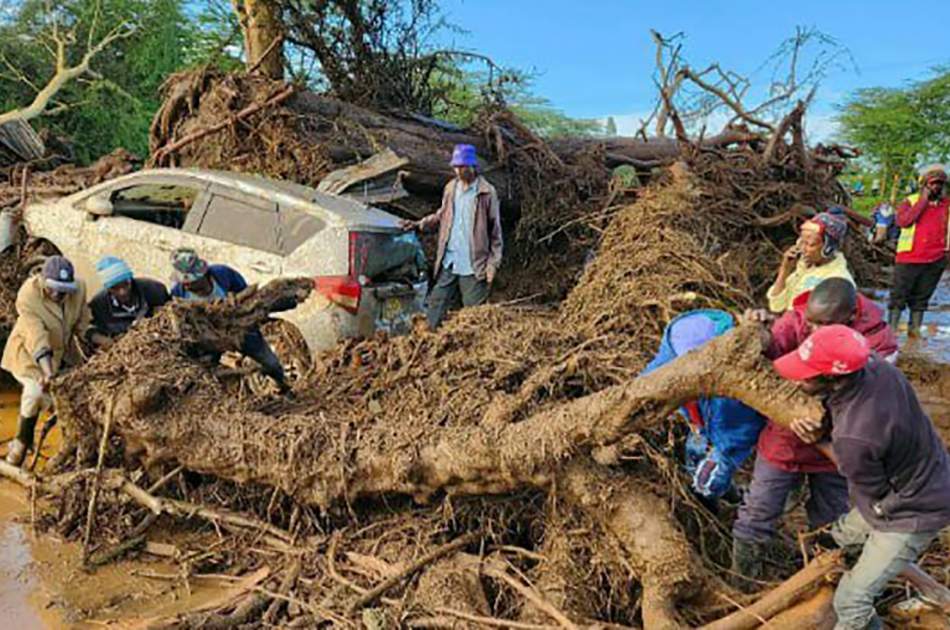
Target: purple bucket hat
x,y
691,332
464,155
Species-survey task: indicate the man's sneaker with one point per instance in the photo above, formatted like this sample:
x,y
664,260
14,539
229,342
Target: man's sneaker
x,y
16,452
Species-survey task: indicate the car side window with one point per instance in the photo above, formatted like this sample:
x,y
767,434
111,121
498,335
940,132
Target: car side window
x,y
162,204
296,227
242,223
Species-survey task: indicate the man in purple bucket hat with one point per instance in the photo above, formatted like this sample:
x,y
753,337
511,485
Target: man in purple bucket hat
x,y
470,242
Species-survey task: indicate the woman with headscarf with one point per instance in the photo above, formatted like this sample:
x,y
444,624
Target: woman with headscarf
x,y
815,257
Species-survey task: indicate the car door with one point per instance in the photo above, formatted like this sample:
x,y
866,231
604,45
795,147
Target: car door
x,y
147,224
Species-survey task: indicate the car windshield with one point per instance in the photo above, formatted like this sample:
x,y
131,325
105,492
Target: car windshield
x,y
384,256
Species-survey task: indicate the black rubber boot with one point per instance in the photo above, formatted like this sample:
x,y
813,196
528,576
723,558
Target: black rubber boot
x,y
23,442
916,320
894,318
747,565
26,427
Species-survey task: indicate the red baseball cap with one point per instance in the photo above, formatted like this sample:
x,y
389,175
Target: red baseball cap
x,y
831,350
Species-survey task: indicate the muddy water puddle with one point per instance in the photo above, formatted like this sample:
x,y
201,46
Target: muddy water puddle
x,y
934,342
43,584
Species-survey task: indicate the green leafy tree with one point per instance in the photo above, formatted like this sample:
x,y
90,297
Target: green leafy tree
x,y
111,103
897,129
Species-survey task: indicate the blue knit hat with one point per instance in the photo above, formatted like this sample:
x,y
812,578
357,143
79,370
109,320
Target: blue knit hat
x,y
113,271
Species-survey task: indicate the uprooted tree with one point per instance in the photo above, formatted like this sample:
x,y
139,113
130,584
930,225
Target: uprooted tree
x,y
510,469
496,422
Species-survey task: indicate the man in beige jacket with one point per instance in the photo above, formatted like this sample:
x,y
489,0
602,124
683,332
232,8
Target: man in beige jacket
x,y
51,311
470,241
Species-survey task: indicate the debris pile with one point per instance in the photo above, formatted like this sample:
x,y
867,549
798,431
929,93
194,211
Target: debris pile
x,y
509,468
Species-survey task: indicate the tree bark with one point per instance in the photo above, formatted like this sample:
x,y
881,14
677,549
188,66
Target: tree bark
x,y
263,31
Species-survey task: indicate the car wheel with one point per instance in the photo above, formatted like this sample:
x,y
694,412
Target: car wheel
x,y
290,347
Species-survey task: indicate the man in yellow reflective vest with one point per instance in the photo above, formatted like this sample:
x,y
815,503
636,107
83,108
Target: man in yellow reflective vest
x,y
921,249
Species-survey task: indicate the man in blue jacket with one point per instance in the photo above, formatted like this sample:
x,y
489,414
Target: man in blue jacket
x,y
724,431
196,280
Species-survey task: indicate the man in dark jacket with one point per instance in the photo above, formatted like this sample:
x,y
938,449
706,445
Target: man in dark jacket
x,y
470,242
197,280
896,465
124,299
783,462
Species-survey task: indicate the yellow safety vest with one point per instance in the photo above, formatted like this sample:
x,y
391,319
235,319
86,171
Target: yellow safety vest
x,y
905,242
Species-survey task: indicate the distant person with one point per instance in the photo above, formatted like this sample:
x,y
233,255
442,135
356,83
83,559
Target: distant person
x,y
783,462
51,314
815,257
885,228
884,444
723,431
470,241
124,299
921,249
196,280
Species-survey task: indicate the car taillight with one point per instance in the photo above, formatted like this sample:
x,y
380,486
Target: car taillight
x,y
343,291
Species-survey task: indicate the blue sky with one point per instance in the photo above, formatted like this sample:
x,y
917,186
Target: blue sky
x,y
595,57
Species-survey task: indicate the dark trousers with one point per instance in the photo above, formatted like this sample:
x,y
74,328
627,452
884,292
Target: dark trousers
x,y
257,348
764,503
449,287
913,284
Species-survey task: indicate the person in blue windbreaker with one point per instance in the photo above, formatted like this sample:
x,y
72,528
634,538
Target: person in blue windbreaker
x,y
723,431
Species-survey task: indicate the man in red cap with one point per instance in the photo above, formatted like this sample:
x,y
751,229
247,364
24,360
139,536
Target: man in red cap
x,y
921,249
470,242
884,444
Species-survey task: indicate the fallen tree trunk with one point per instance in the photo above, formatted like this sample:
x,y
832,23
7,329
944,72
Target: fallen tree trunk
x,y
783,596
308,457
342,134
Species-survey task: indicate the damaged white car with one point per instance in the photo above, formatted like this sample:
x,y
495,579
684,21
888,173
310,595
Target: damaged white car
x,y
369,274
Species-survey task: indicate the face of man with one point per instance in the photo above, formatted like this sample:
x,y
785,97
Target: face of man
x,y
465,173
810,243
816,386
818,314
201,287
935,186
122,292
55,296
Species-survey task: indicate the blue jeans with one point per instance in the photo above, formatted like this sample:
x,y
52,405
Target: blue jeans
x,y
884,556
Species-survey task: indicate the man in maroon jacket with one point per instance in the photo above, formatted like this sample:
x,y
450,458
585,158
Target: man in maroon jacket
x,y
921,249
783,462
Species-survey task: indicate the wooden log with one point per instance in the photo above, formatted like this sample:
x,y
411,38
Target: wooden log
x,y
782,596
815,613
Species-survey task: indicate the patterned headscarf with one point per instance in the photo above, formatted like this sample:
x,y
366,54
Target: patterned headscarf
x,y
832,226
